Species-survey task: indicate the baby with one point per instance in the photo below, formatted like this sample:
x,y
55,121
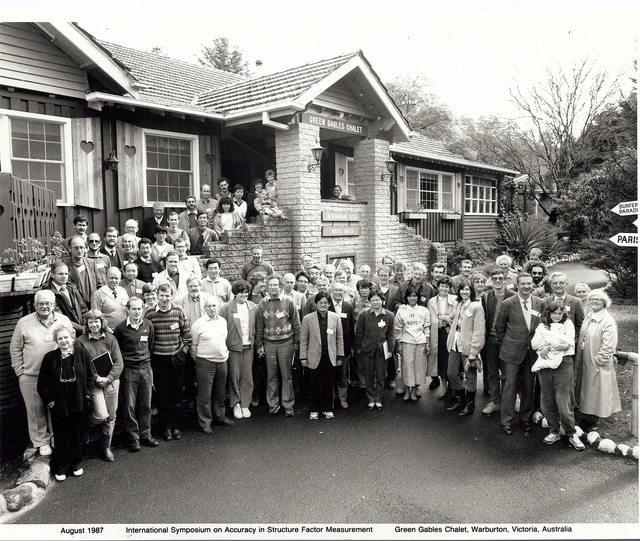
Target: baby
x,y
267,206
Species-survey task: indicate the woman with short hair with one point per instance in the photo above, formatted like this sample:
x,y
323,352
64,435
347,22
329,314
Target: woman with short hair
x,y
440,314
65,384
100,344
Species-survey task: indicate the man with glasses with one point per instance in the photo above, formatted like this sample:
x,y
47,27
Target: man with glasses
x,y
277,336
540,274
103,262
111,299
573,305
83,271
188,218
172,275
491,303
257,264
186,264
130,228
31,339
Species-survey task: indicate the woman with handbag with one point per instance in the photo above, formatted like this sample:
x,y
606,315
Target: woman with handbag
x,y
65,384
107,362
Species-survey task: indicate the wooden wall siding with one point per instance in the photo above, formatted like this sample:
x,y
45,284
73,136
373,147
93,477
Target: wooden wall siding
x,y
29,60
13,417
434,228
342,98
87,162
34,103
130,170
479,228
210,165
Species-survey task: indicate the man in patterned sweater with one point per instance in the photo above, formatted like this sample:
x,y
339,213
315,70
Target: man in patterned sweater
x,y
277,337
171,344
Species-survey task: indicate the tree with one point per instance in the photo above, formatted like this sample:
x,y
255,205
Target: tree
x,y
422,108
223,55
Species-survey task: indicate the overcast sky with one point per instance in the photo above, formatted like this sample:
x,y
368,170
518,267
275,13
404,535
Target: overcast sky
x,y
472,56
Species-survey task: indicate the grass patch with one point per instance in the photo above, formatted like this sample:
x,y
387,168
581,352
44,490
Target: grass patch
x,y
618,426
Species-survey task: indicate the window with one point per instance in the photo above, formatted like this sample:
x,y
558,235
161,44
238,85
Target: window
x,y
351,187
170,166
480,195
38,149
429,190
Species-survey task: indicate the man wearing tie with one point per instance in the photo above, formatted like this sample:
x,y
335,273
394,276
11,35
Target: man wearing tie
x,y
111,299
515,326
68,299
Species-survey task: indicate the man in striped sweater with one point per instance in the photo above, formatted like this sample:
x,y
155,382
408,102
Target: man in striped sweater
x,y
277,337
171,344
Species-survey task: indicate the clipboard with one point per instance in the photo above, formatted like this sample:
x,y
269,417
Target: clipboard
x,y
102,364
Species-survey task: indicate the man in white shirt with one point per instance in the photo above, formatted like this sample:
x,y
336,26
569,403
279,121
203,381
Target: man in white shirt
x,y
214,284
111,299
173,276
352,279
190,265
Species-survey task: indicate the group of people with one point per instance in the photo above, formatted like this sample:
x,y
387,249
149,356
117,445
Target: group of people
x,y
114,328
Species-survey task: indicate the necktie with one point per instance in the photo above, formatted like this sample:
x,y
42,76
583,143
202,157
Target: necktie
x,y
526,305
115,295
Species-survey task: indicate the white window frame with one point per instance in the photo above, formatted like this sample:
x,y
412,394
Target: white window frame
x,y
471,199
6,115
454,197
350,184
195,162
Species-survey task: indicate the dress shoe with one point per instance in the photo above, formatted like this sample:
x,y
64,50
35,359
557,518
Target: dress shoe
x,y
225,421
78,472
288,412
370,406
400,389
150,442
526,426
435,383
507,429
135,446
418,392
255,400
177,434
343,404
207,430
167,435
392,384
108,455
273,410
60,477
378,406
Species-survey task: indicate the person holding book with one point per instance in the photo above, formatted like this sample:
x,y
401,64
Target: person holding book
x,y
107,362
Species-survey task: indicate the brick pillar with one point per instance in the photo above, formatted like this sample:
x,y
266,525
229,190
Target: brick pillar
x,y
299,189
369,158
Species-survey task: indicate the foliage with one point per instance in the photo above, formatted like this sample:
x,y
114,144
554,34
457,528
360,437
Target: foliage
x,y
476,252
423,109
223,55
517,236
620,263
30,255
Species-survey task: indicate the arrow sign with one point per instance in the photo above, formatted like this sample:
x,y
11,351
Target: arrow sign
x,y
635,223
627,208
625,239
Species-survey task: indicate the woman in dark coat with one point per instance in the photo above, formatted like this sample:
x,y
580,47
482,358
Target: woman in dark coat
x,y
65,384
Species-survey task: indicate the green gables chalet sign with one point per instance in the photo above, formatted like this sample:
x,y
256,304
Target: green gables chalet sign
x,y
336,124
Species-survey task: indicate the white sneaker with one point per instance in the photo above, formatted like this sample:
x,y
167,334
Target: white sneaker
x,y
490,408
576,443
78,472
552,438
45,450
60,477
313,416
246,413
328,414
237,411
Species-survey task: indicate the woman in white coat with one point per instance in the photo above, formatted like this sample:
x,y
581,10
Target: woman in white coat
x,y
596,385
440,314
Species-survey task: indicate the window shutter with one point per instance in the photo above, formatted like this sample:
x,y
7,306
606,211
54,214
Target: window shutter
x,y
131,174
341,166
209,161
86,142
401,172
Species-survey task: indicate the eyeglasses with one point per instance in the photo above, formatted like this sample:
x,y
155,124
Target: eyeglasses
x,y
71,380
44,304
91,241
596,300
497,278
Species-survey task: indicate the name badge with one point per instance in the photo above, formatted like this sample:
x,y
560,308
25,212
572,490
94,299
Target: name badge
x,y
279,315
535,313
468,313
81,268
236,316
382,324
423,299
144,338
138,291
329,331
174,326
568,308
124,302
48,338
343,316
99,265
154,274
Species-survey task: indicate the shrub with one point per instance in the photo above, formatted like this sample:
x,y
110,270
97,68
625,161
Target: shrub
x,y
620,263
517,236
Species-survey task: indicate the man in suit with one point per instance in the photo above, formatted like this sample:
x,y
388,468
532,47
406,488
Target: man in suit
x,y
573,305
344,309
515,326
158,218
491,303
83,271
68,299
115,253
321,352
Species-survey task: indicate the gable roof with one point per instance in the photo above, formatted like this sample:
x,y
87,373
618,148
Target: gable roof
x,y
277,87
430,149
169,81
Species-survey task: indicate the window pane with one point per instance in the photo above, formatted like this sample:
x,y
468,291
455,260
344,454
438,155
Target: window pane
x,y
53,171
20,148
19,129
36,150
36,131
20,169
36,171
53,151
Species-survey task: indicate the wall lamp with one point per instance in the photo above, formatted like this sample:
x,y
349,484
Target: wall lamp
x,y
111,162
317,156
390,164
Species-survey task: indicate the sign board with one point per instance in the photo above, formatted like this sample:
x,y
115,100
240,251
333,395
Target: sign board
x,y
627,208
342,231
333,216
625,239
336,124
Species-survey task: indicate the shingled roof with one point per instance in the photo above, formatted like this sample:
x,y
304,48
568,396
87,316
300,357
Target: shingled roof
x,y
170,81
273,88
430,149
